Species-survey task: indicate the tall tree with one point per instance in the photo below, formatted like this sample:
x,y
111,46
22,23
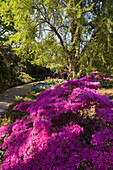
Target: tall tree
x,y
73,25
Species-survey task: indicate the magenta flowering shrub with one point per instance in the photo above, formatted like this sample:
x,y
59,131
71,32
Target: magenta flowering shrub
x,y
98,77
68,127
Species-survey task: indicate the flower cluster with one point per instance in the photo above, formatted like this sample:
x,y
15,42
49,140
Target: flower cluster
x,y
68,127
99,77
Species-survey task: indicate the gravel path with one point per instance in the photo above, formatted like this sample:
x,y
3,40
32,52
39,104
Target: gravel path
x,y
9,95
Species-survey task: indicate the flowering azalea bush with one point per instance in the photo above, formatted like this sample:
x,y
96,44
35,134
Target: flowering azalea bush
x,y
68,127
99,77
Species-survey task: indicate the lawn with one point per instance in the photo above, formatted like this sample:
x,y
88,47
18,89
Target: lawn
x,y
67,126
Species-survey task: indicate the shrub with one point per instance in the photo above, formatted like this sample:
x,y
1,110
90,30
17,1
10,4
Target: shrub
x,y
36,71
26,78
9,67
69,127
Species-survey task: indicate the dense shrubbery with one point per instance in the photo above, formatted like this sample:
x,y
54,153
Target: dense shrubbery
x,y
9,68
4,74
13,72
68,127
35,71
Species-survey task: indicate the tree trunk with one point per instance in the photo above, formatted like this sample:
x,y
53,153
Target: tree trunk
x,y
70,72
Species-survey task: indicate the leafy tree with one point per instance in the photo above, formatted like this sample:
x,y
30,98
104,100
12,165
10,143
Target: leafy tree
x,y
5,30
99,50
73,27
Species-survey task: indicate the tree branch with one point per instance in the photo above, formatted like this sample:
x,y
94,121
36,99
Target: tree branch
x,y
62,26
58,35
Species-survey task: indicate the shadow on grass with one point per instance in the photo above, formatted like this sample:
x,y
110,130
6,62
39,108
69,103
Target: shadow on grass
x,y
10,116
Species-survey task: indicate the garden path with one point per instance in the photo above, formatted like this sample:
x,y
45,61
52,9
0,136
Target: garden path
x,y
9,95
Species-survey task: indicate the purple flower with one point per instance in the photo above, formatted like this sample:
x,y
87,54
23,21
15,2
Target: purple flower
x,y
69,126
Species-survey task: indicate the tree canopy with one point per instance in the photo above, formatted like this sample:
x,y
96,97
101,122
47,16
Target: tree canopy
x,y
76,35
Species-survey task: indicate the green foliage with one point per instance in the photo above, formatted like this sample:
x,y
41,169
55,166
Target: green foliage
x,y
107,85
4,74
35,71
9,68
18,97
25,77
71,35
53,81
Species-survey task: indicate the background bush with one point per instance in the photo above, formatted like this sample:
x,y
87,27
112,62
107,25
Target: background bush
x,y
9,67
